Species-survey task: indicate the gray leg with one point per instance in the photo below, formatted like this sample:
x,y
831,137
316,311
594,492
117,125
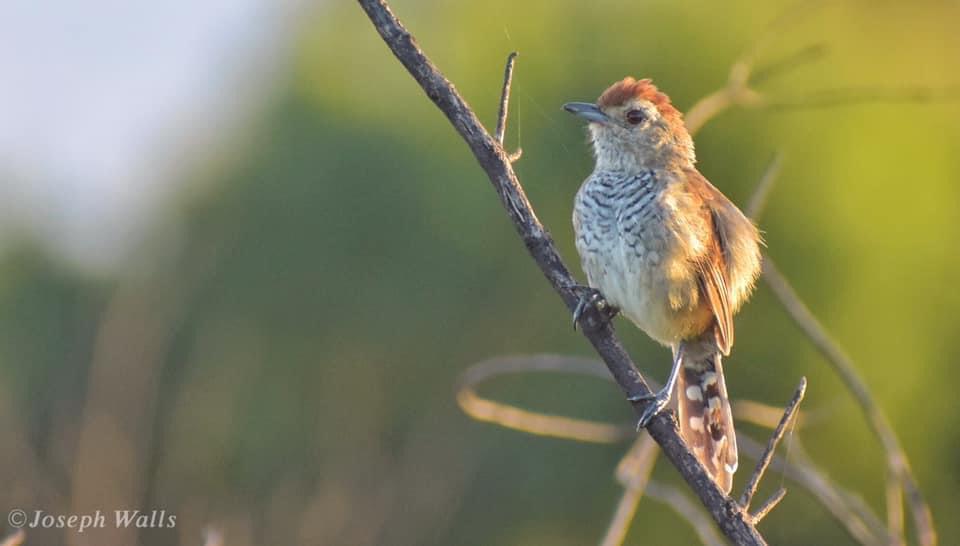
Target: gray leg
x,y
660,400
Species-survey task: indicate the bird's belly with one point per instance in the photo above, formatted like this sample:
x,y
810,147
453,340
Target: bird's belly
x,y
653,285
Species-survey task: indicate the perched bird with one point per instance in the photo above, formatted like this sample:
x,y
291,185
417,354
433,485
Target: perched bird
x,y
672,253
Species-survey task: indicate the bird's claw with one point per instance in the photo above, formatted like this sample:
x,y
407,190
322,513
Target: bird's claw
x,y
592,297
656,403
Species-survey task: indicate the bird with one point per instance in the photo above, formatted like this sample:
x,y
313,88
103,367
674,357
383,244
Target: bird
x,y
666,249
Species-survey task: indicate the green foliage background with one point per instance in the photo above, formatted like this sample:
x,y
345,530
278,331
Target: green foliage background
x,y
348,259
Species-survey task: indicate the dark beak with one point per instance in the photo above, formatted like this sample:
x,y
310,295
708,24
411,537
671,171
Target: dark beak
x,y
587,111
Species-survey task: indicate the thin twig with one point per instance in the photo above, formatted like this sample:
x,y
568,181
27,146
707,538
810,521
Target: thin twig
x,y
846,508
685,508
742,79
807,55
775,438
512,417
633,473
495,162
769,504
896,458
710,106
848,96
791,16
505,98
855,517
761,192
626,509
894,491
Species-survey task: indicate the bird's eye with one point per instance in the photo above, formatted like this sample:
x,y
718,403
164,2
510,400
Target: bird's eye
x,y
635,117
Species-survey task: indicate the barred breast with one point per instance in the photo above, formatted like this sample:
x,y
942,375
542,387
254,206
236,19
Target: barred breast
x,y
637,251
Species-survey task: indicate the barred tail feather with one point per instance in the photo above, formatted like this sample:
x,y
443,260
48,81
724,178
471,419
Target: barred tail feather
x,y
706,422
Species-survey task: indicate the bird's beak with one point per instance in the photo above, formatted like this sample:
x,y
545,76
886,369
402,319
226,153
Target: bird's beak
x,y
587,111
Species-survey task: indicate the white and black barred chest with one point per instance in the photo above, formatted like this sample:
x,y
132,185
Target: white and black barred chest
x,y
633,246
614,209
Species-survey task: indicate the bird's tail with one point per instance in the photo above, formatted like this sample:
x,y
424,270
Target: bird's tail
x,y
703,409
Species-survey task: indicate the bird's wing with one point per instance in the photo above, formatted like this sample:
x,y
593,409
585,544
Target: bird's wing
x,y
738,237
713,266
713,285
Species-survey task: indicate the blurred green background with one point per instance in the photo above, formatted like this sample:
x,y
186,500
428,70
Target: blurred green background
x,y
277,359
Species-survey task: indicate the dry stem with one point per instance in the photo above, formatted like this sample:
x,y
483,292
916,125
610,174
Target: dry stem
x,y
767,455
633,473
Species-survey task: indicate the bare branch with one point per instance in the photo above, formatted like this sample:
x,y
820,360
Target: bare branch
x,y
807,55
762,192
769,505
848,96
505,98
626,509
633,473
897,461
894,491
775,438
728,515
855,517
633,470
743,78
512,417
710,106
791,16
681,504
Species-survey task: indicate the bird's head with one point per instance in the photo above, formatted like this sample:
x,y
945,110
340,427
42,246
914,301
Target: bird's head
x,y
633,126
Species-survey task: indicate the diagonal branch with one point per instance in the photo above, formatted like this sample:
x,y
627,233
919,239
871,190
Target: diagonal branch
x,y
762,192
846,508
733,521
775,438
900,476
633,473
685,508
897,461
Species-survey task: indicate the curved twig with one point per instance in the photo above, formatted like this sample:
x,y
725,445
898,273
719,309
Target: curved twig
x,y
537,423
847,509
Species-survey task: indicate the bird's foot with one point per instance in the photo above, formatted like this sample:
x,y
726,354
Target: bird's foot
x,y
591,297
656,403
